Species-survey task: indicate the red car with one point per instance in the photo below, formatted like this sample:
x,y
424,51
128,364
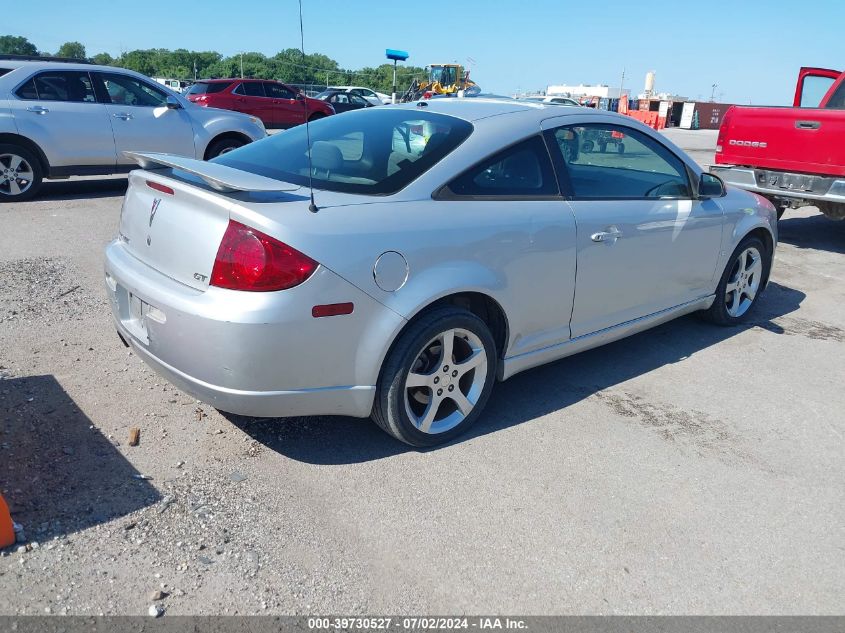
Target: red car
x,y
276,104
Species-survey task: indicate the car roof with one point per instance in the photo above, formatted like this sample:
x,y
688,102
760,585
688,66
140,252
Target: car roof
x,y
48,65
476,108
231,79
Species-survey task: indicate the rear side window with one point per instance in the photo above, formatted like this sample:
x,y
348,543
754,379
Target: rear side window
x,y
250,89
616,162
523,170
373,151
70,86
208,88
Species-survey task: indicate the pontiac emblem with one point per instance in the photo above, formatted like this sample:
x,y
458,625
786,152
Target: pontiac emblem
x,y
153,209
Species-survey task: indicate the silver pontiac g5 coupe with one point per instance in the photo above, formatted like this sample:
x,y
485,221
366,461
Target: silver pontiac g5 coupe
x,y
452,243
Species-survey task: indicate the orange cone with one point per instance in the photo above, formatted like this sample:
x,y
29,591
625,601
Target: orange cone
x,y
7,528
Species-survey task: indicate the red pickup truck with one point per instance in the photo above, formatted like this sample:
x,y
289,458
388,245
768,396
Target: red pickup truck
x,y
793,156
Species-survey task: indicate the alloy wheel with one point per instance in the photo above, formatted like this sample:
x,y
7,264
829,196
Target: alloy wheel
x,y
743,282
445,381
16,175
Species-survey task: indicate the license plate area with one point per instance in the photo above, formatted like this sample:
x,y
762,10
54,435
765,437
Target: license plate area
x,y
133,314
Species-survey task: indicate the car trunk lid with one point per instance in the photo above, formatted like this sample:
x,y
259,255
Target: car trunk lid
x,y
175,226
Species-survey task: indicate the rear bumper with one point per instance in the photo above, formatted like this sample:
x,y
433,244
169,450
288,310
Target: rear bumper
x,y
257,354
354,401
780,184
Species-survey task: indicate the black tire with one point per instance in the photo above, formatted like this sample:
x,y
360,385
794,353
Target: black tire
x,y
28,187
718,313
389,408
222,146
587,146
620,148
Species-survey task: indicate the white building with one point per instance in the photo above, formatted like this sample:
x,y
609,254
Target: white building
x,y
585,90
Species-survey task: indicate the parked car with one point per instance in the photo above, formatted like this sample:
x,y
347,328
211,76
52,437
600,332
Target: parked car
x,y
552,99
66,119
441,256
276,104
376,98
793,156
343,101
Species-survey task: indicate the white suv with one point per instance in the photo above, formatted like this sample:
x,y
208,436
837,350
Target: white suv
x,y
61,119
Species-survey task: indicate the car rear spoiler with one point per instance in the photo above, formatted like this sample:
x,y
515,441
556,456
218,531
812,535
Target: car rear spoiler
x,y
219,177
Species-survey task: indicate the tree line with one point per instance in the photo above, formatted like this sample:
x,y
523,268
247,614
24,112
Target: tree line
x,y
288,65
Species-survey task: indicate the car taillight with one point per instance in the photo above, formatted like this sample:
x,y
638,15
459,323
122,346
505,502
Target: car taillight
x,y
250,260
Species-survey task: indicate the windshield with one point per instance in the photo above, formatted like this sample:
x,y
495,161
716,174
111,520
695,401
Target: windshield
x,y
370,151
446,75
207,88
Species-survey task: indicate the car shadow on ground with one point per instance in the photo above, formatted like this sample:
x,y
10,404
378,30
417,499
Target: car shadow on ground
x,y
531,394
81,189
58,473
817,232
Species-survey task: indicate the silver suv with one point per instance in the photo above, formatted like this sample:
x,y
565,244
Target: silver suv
x,y
60,119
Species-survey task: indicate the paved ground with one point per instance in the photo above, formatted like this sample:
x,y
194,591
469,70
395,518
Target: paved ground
x,y
686,470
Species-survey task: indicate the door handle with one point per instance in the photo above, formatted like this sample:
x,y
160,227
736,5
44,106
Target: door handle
x,y
611,234
122,115
38,109
808,125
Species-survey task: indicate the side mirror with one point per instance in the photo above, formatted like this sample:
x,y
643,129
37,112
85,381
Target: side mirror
x,y
710,186
173,104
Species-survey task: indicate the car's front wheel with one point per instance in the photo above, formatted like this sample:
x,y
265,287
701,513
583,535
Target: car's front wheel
x,y
223,146
20,174
742,282
437,378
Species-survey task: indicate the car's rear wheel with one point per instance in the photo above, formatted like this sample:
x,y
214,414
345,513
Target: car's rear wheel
x,y
20,174
223,146
742,283
437,378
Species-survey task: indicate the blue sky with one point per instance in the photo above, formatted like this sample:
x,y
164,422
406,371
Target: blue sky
x,y
751,48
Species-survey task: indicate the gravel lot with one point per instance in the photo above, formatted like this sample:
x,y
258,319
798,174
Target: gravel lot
x,y
686,470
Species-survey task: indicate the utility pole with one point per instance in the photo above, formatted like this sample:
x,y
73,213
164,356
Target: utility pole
x,y
242,65
621,83
713,92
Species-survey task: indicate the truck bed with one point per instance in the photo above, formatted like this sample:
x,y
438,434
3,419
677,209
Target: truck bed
x,y
800,140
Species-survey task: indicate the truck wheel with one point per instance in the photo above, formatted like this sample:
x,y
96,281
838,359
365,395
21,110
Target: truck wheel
x,y
741,284
20,174
437,378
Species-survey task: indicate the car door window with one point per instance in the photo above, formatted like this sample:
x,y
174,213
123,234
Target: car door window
x,y
617,162
837,100
71,86
522,170
129,91
357,100
250,89
278,91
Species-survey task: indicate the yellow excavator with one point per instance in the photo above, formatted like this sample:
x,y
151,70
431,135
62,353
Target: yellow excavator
x,y
443,79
